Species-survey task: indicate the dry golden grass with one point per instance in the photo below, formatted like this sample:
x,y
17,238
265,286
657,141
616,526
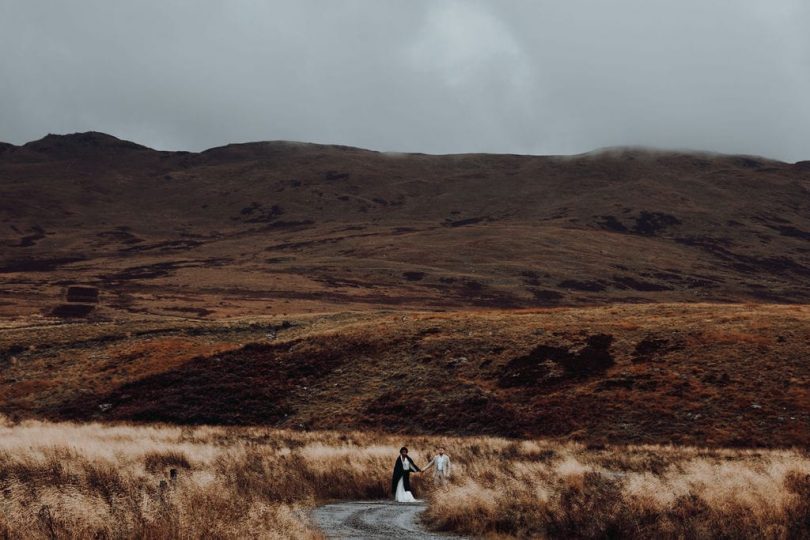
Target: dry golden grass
x,y
547,490
114,481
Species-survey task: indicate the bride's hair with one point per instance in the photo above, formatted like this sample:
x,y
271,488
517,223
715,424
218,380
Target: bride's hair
x,y
403,449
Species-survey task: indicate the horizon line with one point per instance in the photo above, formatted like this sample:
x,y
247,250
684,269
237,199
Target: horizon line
x,y
595,151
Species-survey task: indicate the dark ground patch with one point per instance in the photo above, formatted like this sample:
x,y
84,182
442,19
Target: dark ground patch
x,y
168,245
465,222
37,265
794,232
628,282
414,276
646,223
747,162
539,365
547,364
333,176
677,279
651,348
258,213
82,293
546,296
147,271
652,223
592,286
69,311
478,294
157,270
748,264
610,223
530,277
198,311
38,233
288,224
122,235
253,385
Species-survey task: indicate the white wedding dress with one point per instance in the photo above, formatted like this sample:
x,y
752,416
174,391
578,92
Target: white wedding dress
x,y
402,495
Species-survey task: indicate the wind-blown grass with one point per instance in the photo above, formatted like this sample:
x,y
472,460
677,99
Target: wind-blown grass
x,y
570,491
115,481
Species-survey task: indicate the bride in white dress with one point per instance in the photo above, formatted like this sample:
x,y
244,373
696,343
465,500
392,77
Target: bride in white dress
x,y
400,483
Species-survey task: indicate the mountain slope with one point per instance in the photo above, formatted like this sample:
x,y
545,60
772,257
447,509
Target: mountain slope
x,y
702,374
283,227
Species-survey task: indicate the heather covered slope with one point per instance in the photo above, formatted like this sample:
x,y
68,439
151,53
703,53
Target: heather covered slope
x,y
703,374
312,286
269,228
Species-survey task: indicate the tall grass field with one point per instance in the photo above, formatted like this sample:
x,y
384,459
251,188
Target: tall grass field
x,y
63,480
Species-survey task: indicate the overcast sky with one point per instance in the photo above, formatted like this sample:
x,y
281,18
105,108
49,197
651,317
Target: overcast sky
x,y
439,76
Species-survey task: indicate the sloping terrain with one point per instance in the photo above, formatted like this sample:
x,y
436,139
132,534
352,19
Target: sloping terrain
x,y
274,228
618,296
699,374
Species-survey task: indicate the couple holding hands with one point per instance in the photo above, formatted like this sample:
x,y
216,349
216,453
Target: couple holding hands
x,y
400,483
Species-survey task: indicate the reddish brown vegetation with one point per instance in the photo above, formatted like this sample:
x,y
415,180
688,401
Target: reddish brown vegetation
x,y
702,374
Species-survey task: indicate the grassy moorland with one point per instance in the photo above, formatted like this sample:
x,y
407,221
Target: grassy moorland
x,y
619,339
279,228
718,375
63,480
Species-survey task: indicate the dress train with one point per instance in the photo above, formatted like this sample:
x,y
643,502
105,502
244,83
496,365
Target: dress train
x,y
402,495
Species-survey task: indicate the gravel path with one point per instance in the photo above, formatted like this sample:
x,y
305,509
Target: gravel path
x,y
373,519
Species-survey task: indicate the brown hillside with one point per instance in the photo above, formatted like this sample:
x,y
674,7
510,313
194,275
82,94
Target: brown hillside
x,y
311,286
699,374
279,227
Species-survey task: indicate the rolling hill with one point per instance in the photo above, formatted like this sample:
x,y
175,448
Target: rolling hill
x,y
624,295
280,227
698,374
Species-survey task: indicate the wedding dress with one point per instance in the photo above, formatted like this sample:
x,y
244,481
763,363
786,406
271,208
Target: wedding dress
x,y
400,483
402,495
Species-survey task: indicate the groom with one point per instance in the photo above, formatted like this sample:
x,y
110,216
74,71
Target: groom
x,y
402,470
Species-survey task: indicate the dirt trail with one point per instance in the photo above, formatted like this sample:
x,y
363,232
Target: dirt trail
x,y
373,519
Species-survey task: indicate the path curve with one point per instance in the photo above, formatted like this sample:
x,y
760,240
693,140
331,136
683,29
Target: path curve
x,y
374,519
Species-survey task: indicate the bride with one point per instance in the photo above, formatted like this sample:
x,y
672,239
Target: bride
x,y
400,483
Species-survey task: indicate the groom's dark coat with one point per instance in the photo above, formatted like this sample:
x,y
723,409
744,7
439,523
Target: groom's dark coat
x,y
399,472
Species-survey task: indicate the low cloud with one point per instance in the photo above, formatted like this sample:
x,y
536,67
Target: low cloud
x,y
432,76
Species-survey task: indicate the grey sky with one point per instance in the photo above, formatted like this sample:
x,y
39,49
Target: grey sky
x,y
533,76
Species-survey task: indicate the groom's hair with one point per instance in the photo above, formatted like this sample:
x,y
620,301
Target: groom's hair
x,y
403,449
